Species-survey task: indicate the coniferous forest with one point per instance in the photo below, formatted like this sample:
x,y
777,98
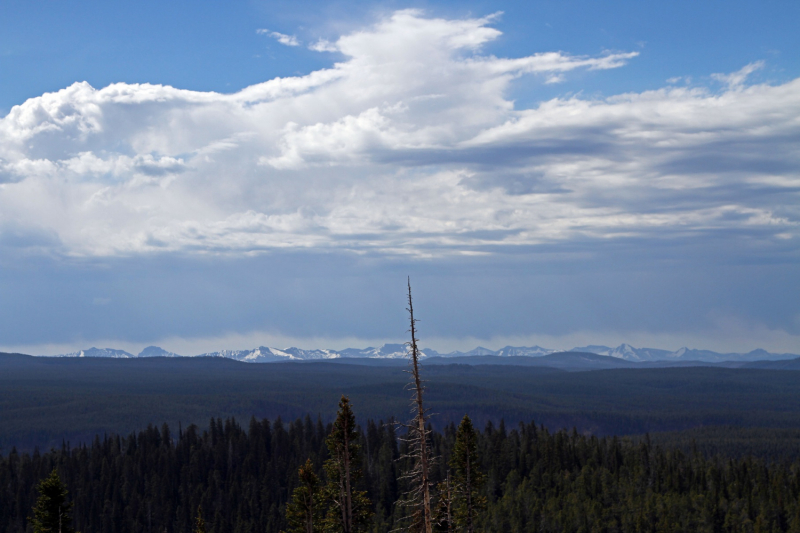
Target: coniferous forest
x,y
309,476
243,477
47,400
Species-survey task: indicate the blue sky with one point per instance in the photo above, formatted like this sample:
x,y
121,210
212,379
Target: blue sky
x,y
206,175
213,46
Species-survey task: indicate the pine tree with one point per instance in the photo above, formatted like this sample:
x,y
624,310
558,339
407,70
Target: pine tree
x,y
468,478
52,512
351,509
199,521
304,511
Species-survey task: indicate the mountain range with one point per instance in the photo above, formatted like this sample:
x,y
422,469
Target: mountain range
x,y
624,352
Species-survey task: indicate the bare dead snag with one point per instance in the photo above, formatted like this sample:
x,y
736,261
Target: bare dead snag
x,y
419,496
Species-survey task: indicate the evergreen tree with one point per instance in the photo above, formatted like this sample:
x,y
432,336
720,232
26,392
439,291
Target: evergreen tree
x,y
52,513
468,478
536,480
350,509
304,511
199,521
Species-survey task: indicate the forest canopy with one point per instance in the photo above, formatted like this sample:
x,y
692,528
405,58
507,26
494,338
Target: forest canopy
x,y
242,478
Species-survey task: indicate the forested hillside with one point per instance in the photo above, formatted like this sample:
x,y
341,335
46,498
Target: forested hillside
x,y
154,481
44,401
728,461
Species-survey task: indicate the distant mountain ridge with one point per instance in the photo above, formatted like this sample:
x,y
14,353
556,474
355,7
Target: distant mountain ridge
x,y
629,353
625,352
99,352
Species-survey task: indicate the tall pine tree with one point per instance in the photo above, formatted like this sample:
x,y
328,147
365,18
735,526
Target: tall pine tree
x,y
350,509
468,478
52,513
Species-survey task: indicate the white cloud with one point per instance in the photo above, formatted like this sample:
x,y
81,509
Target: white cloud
x,y
323,45
409,145
737,79
288,40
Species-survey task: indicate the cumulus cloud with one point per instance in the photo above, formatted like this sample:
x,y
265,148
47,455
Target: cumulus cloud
x,y
409,145
323,45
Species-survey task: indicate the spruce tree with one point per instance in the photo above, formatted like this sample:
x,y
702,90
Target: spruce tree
x,y
199,521
304,511
350,509
52,513
467,476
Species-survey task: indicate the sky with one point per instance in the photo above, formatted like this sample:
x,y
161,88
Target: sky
x,y
208,175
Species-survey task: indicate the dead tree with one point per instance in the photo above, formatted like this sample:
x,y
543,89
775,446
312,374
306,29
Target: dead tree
x,y
443,515
418,498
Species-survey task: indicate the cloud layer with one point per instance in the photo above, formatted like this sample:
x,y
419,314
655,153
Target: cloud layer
x,y
407,146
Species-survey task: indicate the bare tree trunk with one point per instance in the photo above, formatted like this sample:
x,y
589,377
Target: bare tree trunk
x,y
469,496
348,493
342,497
424,478
310,513
448,494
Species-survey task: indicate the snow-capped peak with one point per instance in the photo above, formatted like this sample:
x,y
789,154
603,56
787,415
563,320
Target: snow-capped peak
x,y
264,354
101,352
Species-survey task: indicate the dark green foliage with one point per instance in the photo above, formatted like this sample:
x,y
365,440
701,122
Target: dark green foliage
x,y
468,478
349,509
52,512
304,511
47,400
154,481
199,521
735,442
